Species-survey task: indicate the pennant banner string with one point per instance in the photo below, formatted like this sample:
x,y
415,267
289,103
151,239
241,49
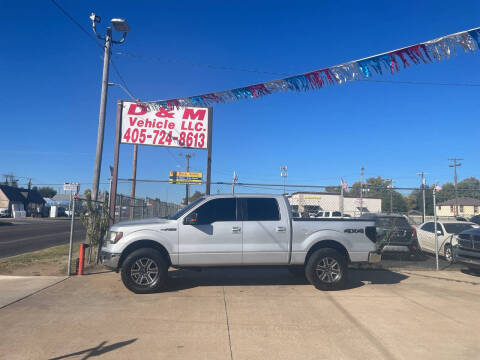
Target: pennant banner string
x,y
387,62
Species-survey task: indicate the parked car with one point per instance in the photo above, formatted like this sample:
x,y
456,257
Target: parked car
x,y
238,230
4,212
446,239
394,233
468,249
475,219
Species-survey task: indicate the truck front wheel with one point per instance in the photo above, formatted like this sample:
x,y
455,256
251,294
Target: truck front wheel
x,y
144,271
327,269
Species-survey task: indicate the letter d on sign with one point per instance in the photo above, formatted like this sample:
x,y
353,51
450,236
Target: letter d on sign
x,y
136,109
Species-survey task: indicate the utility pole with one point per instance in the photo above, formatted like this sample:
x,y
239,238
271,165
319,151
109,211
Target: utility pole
x,y
391,194
284,174
234,180
120,25
454,166
187,186
361,190
422,175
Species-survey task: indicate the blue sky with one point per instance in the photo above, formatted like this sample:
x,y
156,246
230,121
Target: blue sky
x,y
51,75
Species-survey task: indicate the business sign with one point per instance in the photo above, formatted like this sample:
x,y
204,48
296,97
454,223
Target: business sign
x,y
185,127
317,197
75,187
183,177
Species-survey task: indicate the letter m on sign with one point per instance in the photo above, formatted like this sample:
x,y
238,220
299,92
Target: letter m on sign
x,y
194,115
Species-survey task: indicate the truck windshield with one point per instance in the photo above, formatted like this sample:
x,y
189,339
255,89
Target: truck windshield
x,y
185,209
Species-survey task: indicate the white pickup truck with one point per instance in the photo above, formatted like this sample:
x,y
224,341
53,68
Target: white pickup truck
x,y
239,230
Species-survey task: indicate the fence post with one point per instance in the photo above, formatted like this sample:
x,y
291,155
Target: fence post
x,y
435,219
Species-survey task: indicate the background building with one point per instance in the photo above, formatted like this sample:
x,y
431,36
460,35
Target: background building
x,y
312,202
467,207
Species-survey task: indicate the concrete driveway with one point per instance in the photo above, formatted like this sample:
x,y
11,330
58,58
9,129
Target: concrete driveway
x,y
249,314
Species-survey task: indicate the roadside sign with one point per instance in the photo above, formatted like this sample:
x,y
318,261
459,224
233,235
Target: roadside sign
x,y
185,127
183,177
75,187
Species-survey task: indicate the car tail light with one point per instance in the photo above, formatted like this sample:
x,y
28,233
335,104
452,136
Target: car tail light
x,y
414,233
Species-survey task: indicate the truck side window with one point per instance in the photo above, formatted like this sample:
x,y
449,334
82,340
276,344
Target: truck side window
x,y
217,210
262,209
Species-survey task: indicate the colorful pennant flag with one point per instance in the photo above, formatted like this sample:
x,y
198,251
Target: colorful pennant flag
x,y
389,62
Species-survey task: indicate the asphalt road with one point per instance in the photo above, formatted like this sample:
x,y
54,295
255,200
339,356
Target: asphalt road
x,y
25,235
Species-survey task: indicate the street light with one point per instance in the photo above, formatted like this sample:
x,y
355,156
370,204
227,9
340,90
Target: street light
x,y
120,25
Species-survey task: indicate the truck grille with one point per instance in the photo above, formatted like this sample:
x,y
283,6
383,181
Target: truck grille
x,y
469,241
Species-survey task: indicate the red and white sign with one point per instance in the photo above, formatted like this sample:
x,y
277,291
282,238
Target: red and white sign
x,y
185,127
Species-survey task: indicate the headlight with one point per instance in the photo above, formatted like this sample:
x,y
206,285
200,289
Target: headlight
x,y
114,236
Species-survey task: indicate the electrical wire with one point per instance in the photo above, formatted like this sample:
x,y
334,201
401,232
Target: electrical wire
x,y
72,19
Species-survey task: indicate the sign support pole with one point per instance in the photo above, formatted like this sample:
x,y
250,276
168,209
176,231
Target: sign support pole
x,y
435,218
71,237
209,155
118,130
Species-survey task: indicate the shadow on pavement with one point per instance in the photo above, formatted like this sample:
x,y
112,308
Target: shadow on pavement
x,y
96,351
187,279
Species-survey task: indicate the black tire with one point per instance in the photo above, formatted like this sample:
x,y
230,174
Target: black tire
x,y
448,253
145,271
474,270
297,271
327,269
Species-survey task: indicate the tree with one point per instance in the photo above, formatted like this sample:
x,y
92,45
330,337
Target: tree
x,y
377,187
194,197
46,191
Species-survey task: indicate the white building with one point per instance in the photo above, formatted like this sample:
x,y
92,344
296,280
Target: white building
x,y
312,202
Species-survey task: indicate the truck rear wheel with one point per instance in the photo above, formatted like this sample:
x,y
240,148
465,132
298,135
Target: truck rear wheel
x,y
145,271
327,269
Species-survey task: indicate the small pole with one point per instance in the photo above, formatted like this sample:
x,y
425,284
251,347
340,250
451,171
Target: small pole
x,y
209,152
71,237
435,219
134,180
361,191
341,200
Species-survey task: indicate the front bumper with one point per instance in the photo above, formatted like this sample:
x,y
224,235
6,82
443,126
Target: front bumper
x,y
109,260
467,257
374,257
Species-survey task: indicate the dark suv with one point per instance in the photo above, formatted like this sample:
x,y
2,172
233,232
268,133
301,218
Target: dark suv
x,y
394,234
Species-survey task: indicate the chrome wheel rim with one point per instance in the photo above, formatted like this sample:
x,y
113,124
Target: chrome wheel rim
x,y
328,270
448,253
144,271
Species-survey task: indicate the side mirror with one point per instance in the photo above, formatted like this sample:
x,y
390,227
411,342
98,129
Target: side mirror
x,y
191,219
439,232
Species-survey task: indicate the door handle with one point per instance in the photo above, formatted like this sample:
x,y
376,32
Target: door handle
x,y
281,229
236,229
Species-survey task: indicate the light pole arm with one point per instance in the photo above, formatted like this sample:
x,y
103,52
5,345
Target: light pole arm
x,y
124,36
94,28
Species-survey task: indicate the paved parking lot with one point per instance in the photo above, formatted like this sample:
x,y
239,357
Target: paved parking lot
x,y
249,314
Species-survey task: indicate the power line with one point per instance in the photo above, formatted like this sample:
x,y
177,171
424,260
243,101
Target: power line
x,y
72,19
190,63
120,77
231,68
420,83
86,32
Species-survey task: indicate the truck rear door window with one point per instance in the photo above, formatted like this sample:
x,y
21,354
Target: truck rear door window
x,y
262,209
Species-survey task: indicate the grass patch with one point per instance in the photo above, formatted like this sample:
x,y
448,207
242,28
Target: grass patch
x,y
51,260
